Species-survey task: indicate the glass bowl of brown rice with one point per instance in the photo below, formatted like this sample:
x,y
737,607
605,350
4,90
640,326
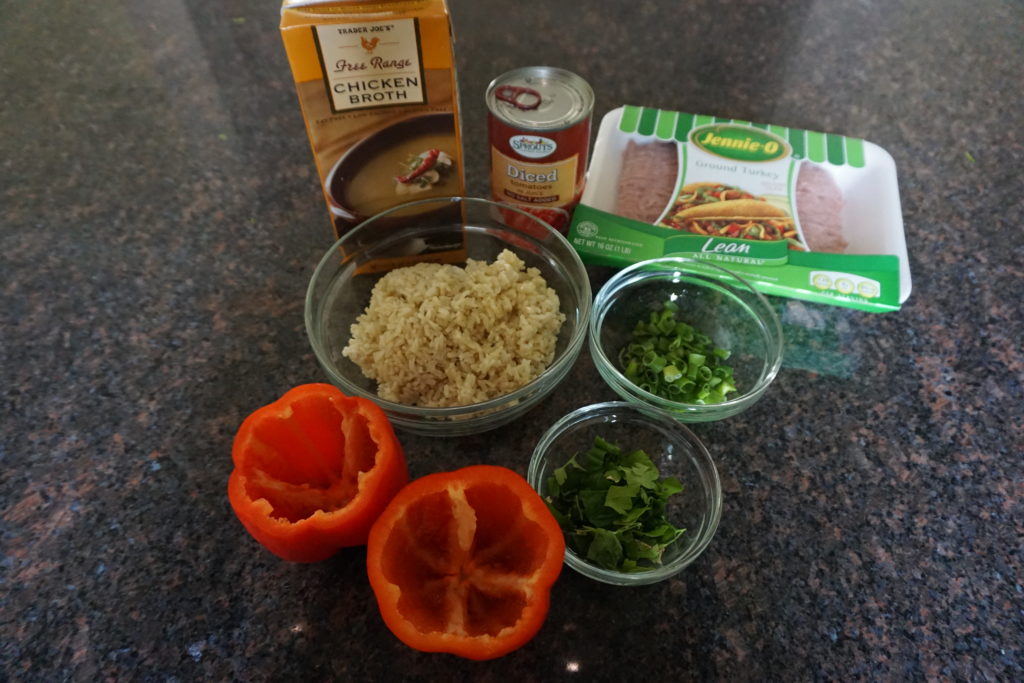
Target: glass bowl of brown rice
x,y
456,315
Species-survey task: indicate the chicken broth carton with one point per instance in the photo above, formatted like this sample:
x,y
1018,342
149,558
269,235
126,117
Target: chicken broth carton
x,y
796,213
376,84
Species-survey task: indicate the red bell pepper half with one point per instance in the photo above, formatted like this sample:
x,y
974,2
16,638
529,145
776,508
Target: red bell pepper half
x,y
463,562
313,470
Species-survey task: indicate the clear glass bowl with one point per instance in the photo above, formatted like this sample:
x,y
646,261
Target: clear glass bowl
x,y
340,291
674,449
714,301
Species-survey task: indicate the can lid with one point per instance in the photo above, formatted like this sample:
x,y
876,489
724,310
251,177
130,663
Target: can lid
x,y
564,98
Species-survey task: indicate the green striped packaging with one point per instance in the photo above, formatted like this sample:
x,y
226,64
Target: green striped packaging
x,y
865,265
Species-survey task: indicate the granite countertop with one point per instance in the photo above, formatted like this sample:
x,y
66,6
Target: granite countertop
x,y
161,218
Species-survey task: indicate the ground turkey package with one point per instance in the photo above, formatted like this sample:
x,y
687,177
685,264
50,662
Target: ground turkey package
x,y
801,214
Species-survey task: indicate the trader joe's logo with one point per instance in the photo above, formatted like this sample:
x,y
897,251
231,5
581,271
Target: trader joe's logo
x,y
739,142
532,146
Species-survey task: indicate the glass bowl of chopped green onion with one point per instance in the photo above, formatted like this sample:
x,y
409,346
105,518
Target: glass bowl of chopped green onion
x,y
635,492
686,336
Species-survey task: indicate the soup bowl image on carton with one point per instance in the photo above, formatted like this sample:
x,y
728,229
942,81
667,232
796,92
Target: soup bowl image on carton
x,y
365,180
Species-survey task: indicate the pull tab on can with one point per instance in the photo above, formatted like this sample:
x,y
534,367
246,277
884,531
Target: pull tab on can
x,y
519,97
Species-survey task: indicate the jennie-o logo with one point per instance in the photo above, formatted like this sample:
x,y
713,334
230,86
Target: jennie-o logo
x,y
740,143
532,146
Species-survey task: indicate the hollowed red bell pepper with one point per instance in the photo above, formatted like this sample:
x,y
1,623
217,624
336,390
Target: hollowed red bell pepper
x,y
463,562
313,470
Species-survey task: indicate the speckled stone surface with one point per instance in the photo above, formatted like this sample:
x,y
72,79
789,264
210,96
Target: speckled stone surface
x,y
160,218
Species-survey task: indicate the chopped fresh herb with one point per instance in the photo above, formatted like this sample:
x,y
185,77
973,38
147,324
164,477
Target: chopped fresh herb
x,y
671,359
611,505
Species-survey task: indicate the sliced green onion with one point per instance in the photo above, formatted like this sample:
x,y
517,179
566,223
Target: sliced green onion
x,y
668,357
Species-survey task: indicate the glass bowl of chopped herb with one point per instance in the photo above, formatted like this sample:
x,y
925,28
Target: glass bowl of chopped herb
x,y
634,490
686,336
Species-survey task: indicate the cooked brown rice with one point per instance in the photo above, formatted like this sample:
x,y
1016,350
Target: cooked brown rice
x,y
439,335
